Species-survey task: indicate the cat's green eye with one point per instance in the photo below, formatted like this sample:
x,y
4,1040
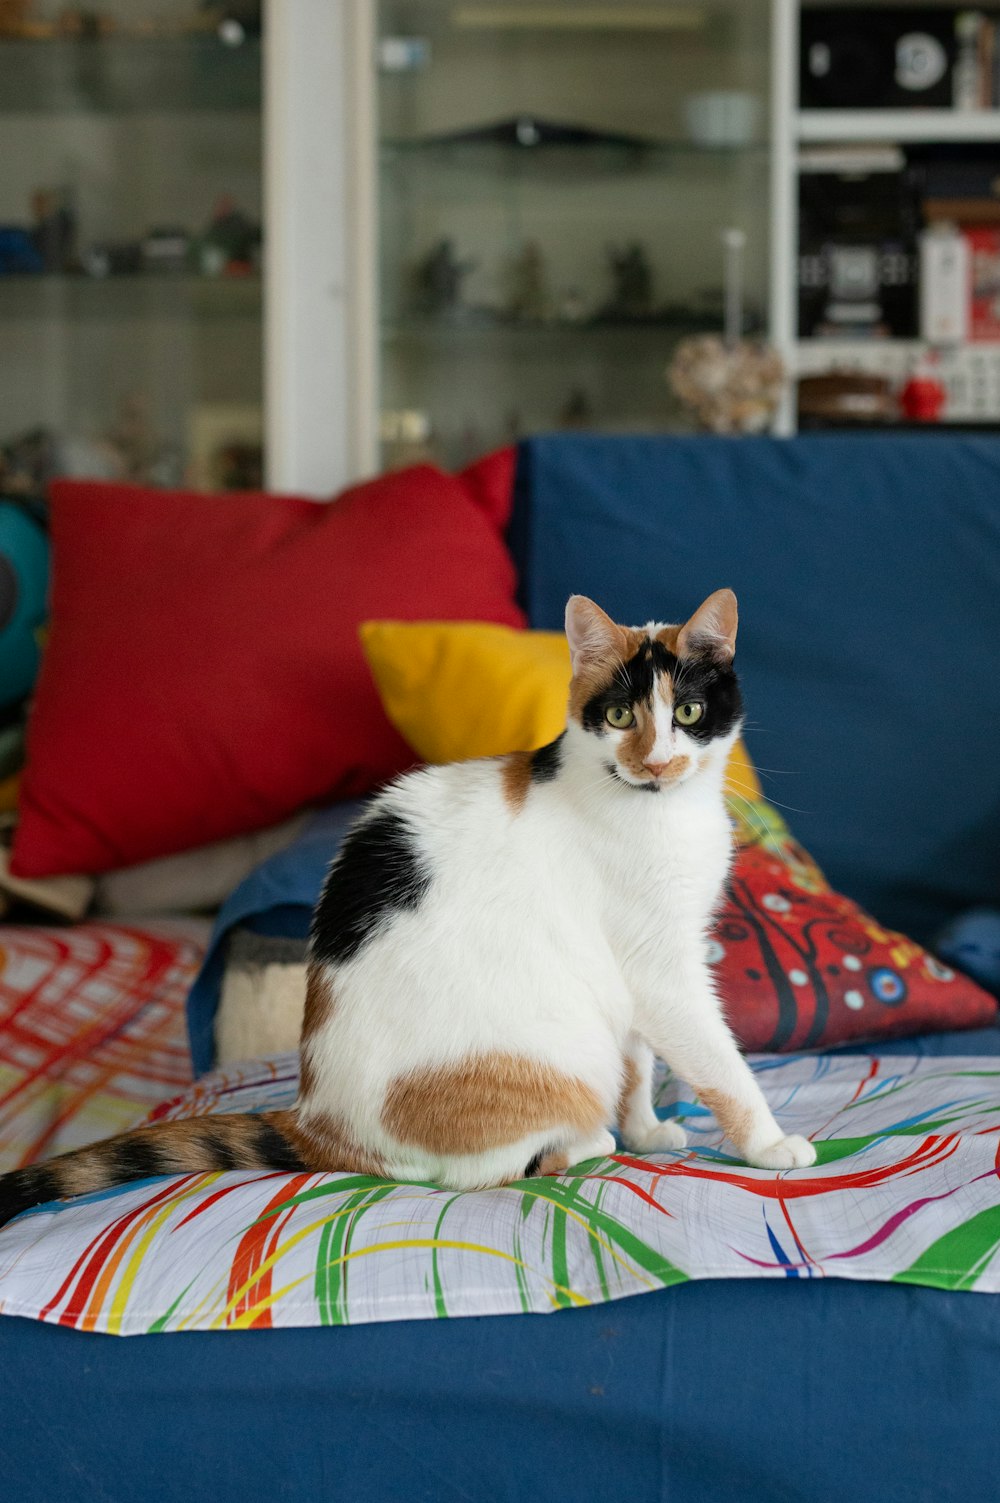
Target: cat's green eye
x,y
620,717
689,713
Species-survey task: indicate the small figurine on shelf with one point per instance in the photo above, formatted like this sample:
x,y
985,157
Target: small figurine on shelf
x,y
437,281
632,297
730,384
111,259
140,453
527,299
923,397
55,227
231,244
18,252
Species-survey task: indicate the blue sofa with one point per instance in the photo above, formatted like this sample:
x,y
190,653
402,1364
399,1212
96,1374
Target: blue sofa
x,y
868,572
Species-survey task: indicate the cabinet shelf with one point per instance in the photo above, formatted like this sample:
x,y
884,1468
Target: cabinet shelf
x,y
128,75
897,125
122,297
559,160
485,330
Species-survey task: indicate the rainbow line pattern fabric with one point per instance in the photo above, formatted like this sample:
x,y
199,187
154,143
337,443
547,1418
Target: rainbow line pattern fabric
x,y
907,1189
92,1032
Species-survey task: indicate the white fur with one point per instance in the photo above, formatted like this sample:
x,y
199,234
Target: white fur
x,y
570,932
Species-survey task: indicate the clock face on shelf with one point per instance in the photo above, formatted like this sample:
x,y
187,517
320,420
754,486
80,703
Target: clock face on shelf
x,y
899,58
921,62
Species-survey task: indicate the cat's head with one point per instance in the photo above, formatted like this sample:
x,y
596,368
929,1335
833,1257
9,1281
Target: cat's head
x,y
659,703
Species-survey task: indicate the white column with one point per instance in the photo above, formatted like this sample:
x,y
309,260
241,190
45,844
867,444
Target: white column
x,y
320,328
784,196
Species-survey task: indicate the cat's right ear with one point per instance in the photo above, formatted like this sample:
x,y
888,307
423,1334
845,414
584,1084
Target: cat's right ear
x,y
591,634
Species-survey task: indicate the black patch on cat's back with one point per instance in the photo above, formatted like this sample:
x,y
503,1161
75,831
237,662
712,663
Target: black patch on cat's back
x,y
546,761
378,872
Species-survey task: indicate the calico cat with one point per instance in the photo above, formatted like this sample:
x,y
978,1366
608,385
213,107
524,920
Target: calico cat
x,y
502,946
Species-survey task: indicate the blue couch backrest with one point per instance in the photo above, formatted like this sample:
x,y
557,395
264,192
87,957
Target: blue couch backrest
x,y
868,574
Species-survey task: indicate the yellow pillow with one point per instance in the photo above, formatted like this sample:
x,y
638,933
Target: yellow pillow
x,y
461,689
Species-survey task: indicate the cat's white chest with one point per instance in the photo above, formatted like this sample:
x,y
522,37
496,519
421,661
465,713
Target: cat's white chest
x,y
664,885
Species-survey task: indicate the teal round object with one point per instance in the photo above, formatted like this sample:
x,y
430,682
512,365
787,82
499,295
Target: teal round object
x,y
24,579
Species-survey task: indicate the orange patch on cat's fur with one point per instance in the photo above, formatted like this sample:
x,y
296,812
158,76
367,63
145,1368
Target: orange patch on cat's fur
x,y
319,1009
597,675
515,779
485,1102
325,1143
735,1118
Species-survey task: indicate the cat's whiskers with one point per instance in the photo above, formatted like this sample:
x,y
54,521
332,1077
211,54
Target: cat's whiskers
x,y
755,796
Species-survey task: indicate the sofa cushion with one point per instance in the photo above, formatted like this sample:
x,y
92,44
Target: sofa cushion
x,y
251,1249
204,678
868,575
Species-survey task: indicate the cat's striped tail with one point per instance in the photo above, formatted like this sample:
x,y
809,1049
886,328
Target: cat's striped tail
x,y
196,1145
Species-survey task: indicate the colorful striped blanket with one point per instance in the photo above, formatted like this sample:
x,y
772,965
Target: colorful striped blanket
x,y
907,1189
92,1032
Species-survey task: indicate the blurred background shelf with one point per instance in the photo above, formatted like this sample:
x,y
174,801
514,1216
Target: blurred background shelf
x,y
556,160
517,335
128,75
139,296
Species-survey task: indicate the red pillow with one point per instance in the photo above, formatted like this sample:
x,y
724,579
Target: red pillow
x,y
799,966
203,675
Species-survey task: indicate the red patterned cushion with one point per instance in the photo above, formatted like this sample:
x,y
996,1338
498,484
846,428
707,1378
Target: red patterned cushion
x,y
799,966
204,676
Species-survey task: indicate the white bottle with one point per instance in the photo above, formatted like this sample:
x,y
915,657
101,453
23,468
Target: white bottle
x,y
944,285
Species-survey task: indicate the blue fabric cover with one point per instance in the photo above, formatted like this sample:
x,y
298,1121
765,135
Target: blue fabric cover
x,y
972,943
868,575
799,1391
276,898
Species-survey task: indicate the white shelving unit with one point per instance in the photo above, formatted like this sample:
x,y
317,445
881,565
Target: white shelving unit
x,y
896,125
971,372
322,329
320,320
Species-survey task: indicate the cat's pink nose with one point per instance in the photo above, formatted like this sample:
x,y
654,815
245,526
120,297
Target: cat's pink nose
x,y
656,768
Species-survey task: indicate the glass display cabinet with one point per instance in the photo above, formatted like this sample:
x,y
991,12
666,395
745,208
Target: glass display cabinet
x,y
554,183
130,243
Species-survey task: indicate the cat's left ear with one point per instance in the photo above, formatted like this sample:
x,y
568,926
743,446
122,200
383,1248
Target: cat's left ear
x,y
711,631
591,634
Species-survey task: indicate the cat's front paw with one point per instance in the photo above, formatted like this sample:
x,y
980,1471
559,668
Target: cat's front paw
x,y
665,1137
792,1152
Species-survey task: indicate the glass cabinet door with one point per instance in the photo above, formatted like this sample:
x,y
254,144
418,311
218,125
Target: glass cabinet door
x,y
555,180
130,243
